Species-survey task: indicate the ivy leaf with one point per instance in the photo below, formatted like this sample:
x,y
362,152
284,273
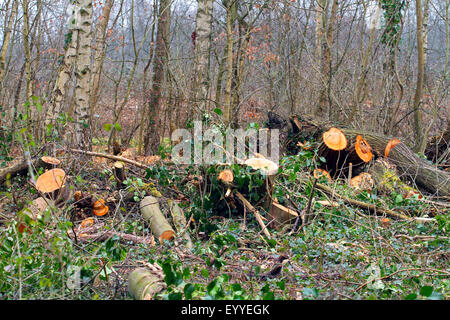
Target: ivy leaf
x,y
107,126
426,291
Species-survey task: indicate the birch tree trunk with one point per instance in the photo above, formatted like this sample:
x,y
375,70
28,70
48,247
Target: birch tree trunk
x,y
83,73
202,53
55,107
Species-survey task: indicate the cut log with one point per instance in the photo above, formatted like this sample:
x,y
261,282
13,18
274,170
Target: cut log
x,y
267,167
38,207
100,208
409,165
144,284
269,170
281,215
17,167
179,220
335,139
152,214
36,210
387,180
362,182
363,149
53,185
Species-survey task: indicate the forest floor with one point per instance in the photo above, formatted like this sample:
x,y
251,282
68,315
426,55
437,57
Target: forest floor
x,y
344,252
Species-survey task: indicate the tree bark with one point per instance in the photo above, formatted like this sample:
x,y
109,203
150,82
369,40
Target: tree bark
x,y
419,136
7,38
83,73
99,55
152,136
202,54
55,106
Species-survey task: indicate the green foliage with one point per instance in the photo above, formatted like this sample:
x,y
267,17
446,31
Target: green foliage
x,y
393,14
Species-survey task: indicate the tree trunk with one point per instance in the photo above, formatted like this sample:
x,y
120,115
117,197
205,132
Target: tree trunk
x,y
55,105
228,110
152,136
7,38
202,54
27,50
420,139
99,55
83,73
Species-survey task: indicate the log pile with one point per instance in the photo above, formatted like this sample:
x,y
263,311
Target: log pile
x,y
365,147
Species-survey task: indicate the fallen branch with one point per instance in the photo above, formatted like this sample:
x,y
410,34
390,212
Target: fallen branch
x,y
361,204
82,237
111,157
93,233
255,212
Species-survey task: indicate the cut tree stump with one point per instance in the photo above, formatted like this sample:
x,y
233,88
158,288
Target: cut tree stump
x,y
144,284
155,218
53,185
48,162
119,173
409,165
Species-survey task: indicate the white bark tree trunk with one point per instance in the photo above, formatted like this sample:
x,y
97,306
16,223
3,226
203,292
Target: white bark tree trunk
x,y
202,53
83,73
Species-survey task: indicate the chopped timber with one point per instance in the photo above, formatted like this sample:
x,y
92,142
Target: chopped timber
x,y
111,157
155,218
179,220
386,179
409,165
144,284
38,207
17,167
281,215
